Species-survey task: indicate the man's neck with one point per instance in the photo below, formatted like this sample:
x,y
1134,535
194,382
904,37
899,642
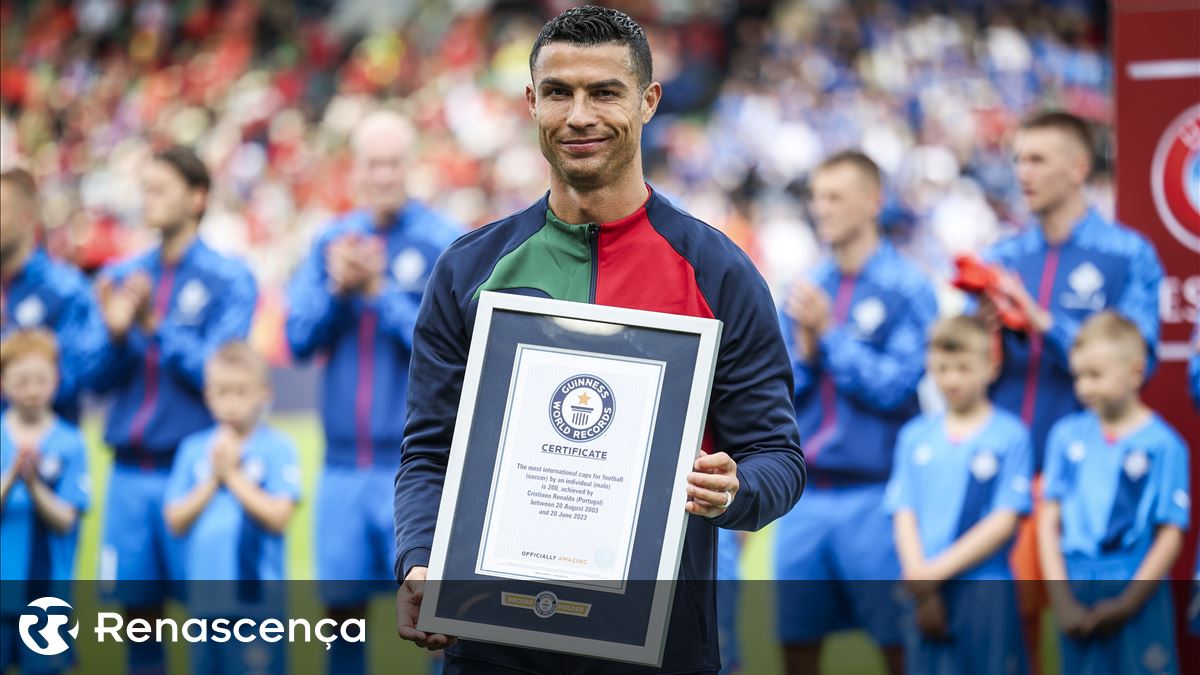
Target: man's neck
x,y
28,420
598,205
384,220
177,240
1059,221
14,260
852,255
969,417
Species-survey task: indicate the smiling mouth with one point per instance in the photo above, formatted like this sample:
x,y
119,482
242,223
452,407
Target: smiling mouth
x,y
582,146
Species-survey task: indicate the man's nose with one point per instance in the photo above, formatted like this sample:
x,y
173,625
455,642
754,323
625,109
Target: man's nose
x,y
582,114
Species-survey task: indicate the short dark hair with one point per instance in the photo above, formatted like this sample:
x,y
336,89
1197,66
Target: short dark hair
x,y
854,158
591,25
185,162
959,335
1064,122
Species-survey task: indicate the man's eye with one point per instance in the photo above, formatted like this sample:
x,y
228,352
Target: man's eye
x,y
606,93
556,91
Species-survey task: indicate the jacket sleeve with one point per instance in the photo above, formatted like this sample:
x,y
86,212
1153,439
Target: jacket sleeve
x,y
82,336
397,310
750,412
882,379
184,350
313,312
1139,304
439,361
802,371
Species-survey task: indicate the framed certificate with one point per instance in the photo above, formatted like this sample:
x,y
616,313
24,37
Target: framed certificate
x,y
562,518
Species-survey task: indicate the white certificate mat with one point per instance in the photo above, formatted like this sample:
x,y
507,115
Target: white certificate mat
x,y
571,467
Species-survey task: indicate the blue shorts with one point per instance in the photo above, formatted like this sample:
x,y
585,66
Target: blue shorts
x,y
1145,645
259,656
984,632
729,551
14,653
356,535
141,562
836,567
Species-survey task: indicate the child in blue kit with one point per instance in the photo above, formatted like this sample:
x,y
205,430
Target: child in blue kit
x,y
43,490
960,485
1117,508
230,495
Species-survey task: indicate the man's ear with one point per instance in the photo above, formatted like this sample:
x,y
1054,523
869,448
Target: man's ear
x,y
650,98
198,198
531,100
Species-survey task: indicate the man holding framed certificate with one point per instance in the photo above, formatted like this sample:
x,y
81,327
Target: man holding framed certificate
x,y
584,448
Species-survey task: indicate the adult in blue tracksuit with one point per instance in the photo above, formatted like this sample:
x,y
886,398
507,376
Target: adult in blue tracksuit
x,y
856,329
40,292
1072,264
166,311
355,298
602,236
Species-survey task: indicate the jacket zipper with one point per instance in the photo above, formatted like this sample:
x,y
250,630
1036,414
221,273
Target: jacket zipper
x,y
593,233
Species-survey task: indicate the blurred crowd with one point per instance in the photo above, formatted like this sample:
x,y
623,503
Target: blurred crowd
x,y
756,93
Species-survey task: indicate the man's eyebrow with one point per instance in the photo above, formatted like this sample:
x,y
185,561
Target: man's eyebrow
x,y
603,84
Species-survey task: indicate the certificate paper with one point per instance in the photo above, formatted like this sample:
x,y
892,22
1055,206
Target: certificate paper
x,y
571,467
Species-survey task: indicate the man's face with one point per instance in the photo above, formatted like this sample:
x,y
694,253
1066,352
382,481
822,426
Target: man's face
x,y
167,200
379,167
16,216
589,111
1106,378
844,203
1050,167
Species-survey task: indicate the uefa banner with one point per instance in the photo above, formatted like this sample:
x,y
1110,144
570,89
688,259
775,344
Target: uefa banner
x,y
1156,63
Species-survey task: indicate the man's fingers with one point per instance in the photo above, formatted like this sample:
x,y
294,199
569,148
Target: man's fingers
x,y
717,482
715,498
718,462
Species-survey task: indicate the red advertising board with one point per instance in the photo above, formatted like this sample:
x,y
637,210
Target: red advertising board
x,y
1156,62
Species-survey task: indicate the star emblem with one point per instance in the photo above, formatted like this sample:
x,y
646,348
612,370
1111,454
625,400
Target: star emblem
x,y
584,398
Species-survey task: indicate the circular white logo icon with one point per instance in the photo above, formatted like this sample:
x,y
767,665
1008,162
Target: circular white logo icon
x,y
545,604
1175,178
582,408
44,626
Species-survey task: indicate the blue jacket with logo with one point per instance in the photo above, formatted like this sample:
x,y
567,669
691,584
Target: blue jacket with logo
x,y
1101,265
202,301
368,340
861,387
50,294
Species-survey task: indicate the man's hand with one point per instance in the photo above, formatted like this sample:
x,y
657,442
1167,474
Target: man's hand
x,y
810,307
408,610
1040,320
340,265
26,464
121,304
712,485
931,617
372,261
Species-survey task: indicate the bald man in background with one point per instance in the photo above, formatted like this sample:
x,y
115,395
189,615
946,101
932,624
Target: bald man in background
x,y
355,299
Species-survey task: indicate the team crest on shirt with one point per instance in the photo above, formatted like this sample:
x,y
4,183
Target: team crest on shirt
x,y
868,315
1086,283
1181,499
255,469
1137,463
1156,658
922,454
984,466
30,312
1076,451
50,467
409,268
193,298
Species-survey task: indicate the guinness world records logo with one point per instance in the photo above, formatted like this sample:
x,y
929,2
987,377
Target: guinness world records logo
x,y
582,408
